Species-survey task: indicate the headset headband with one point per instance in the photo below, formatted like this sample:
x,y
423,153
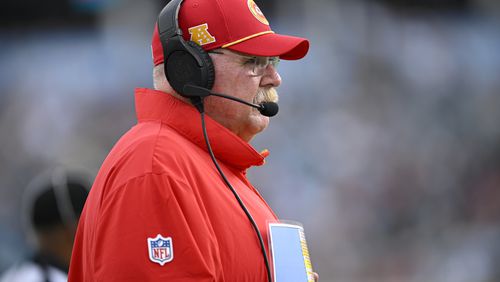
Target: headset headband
x,y
168,24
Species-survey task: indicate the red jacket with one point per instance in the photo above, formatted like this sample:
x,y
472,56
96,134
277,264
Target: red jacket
x,y
160,180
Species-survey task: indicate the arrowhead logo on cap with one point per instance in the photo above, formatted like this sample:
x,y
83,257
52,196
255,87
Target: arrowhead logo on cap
x,y
257,12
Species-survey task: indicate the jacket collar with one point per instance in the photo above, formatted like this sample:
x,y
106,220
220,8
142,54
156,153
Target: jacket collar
x,y
185,119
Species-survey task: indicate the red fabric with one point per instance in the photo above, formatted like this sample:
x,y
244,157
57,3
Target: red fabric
x,y
230,21
158,179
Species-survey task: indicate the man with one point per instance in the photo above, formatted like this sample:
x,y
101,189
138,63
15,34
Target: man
x,y
52,204
159,209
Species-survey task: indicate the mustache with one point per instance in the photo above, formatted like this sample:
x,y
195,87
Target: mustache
x,y
266,95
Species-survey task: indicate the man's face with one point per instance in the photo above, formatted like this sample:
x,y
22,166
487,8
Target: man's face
x,y
235,75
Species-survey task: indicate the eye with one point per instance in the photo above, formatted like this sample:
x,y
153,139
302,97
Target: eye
x,y
250,61
262,62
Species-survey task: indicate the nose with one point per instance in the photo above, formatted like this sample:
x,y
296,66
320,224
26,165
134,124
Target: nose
x,y
271,77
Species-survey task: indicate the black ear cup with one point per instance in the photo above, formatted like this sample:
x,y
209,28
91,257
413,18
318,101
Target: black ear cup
x,y
189,65
185,61
207,64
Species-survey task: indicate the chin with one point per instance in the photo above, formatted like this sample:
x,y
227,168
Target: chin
x,y
256,124
259,123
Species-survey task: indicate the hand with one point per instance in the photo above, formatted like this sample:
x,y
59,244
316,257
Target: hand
x,y
316,276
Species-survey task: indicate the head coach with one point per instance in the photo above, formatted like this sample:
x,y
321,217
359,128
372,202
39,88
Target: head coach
x,y
171,201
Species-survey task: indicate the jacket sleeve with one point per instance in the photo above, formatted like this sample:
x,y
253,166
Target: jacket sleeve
x,y
147,206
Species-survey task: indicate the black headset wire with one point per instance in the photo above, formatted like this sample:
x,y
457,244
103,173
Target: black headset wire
x,y
198,103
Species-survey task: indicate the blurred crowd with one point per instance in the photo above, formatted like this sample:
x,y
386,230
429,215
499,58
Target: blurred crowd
x,y
386,147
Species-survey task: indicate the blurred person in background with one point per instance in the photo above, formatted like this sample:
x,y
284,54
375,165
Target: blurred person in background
x,y
52,205
159,209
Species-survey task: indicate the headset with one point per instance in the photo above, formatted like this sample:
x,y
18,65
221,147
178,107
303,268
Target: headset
x,y
67,189
190,71
53,198
185,61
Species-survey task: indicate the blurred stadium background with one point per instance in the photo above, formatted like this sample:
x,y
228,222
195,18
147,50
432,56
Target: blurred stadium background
x,y
386,148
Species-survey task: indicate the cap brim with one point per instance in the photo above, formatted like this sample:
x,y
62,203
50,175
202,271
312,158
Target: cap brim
x,y
272,44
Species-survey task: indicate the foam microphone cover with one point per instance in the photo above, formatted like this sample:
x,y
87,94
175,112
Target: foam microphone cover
x,y
269,109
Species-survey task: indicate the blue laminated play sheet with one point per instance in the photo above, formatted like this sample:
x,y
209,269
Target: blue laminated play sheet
x,y
289,253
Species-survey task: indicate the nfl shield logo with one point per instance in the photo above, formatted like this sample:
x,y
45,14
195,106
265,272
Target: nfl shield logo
x,y
160,249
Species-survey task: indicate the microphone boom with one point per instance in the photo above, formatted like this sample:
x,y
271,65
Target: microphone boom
x,y
268,109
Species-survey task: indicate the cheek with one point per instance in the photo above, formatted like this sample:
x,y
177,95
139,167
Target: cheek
x,y
238,84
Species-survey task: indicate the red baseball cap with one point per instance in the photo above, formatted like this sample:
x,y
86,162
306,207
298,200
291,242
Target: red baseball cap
x,y
237,25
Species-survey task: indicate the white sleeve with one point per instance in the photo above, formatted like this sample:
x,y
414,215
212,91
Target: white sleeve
x,y
24,271
30,272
